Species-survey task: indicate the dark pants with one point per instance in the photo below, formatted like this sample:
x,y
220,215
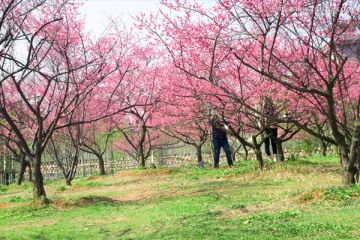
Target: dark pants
x,y
218,143
272,133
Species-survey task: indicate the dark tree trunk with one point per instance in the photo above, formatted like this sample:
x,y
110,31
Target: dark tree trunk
x,y
351,171
233,156
141,160
101,165
141,151
258,154
69,167
68,181
39,190
280,151
199,154
30,172
23,165
259,158
324,147
348,168
72,170
348,165
246,152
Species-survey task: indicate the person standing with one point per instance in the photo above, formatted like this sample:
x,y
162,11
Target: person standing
x,y
219,140
271,129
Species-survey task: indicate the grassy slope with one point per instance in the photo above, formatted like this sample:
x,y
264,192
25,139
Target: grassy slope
x,y
293,200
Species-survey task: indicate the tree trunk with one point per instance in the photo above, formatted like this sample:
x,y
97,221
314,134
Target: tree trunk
x,y
324,148
23,165
101,165
199,154
73,168
39,190
141,160
68,168
348,168
354,157
141,150
258,154
280,151
68,181
259,158
246,153
30,172
350,159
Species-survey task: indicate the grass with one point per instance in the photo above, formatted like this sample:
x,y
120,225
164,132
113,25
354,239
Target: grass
x,y
300,199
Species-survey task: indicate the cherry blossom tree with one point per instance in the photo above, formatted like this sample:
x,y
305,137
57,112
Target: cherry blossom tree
x,y
49,67
196,43
64,149
291,52
187,121
10,144
138,129
139,90
97,138
296,44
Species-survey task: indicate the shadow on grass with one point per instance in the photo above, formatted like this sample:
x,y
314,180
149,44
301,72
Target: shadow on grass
x,y
316,166
93,200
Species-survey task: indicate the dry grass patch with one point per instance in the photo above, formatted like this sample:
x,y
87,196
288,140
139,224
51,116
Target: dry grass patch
x,y
308,197
124,186
9,205
142,173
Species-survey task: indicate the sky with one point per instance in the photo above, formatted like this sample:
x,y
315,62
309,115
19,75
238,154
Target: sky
x,y
98,11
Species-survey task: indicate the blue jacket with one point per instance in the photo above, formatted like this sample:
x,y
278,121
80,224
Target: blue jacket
x,y
218,131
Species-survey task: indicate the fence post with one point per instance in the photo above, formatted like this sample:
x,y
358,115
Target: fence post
x,y
57,172
91,170
83,167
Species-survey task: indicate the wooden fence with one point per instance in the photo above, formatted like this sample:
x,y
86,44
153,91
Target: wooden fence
x,y
88,165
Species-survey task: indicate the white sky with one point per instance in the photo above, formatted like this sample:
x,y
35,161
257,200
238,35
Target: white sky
x,y
98,11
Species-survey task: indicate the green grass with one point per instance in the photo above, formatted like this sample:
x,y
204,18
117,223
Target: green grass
x,y
300,199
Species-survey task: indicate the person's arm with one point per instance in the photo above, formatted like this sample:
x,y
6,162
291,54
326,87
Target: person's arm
x,y
220,124
225,124
226,121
